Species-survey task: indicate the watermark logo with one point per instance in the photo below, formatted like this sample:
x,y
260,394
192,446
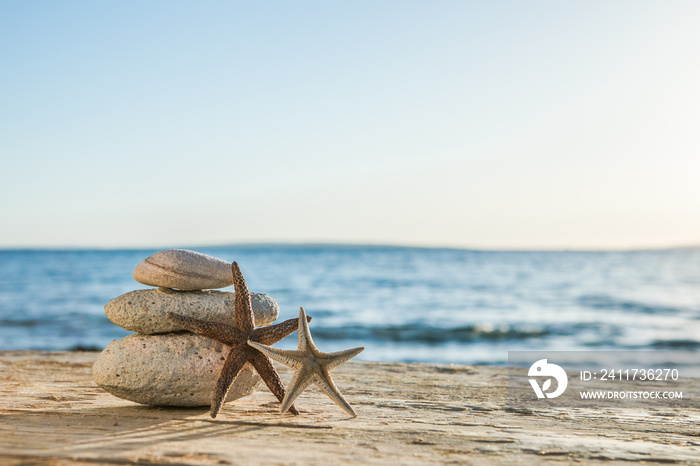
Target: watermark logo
x,y
542,368
624,379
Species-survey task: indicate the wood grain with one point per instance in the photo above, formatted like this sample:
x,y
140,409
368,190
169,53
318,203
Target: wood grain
x,y
52,413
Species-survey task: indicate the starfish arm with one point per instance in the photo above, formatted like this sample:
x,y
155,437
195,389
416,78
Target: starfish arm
x,y
323,380
274,333
245,321
287,357
301,380
305,340
232,366
219,332
269,375
333,360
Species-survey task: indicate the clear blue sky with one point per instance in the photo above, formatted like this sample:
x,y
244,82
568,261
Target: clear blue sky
x,y
531,124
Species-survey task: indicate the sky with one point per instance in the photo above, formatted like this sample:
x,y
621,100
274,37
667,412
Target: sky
x,y
495,125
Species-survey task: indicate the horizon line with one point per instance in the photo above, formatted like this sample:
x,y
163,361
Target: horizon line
x,y
332,244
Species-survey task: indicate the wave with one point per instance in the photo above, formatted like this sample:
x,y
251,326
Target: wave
x,y
27,323
429,335
607,303
676,344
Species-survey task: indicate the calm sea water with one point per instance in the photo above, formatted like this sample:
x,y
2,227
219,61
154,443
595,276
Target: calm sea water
x,y
403,304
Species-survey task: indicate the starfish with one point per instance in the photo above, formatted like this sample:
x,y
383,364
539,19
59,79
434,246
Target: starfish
x,y
237,338
311,365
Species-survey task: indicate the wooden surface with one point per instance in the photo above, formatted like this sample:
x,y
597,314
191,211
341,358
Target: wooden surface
x,y
51,412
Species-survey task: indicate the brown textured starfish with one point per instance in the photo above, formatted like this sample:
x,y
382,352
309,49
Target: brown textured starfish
x,y
311,365
237,338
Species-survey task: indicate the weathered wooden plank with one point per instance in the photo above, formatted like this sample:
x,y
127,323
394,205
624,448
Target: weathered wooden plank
x,y
52,413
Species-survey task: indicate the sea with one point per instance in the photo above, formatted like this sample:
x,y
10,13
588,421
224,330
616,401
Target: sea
x,y
400,303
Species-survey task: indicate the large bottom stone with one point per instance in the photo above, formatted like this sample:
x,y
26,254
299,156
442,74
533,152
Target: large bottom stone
x,y
172,369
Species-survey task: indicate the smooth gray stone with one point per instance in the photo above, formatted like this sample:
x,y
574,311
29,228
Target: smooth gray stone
x,y
145,311
170,369
185,270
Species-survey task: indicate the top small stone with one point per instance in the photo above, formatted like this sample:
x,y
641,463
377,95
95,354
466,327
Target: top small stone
x,y
184,270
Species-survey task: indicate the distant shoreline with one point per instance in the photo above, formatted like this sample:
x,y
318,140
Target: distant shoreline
x,y
330,245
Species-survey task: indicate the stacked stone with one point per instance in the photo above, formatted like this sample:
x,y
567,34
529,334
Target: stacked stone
x,y
163,364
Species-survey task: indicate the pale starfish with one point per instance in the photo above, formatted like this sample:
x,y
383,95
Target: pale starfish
x,y
237,338
311,365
